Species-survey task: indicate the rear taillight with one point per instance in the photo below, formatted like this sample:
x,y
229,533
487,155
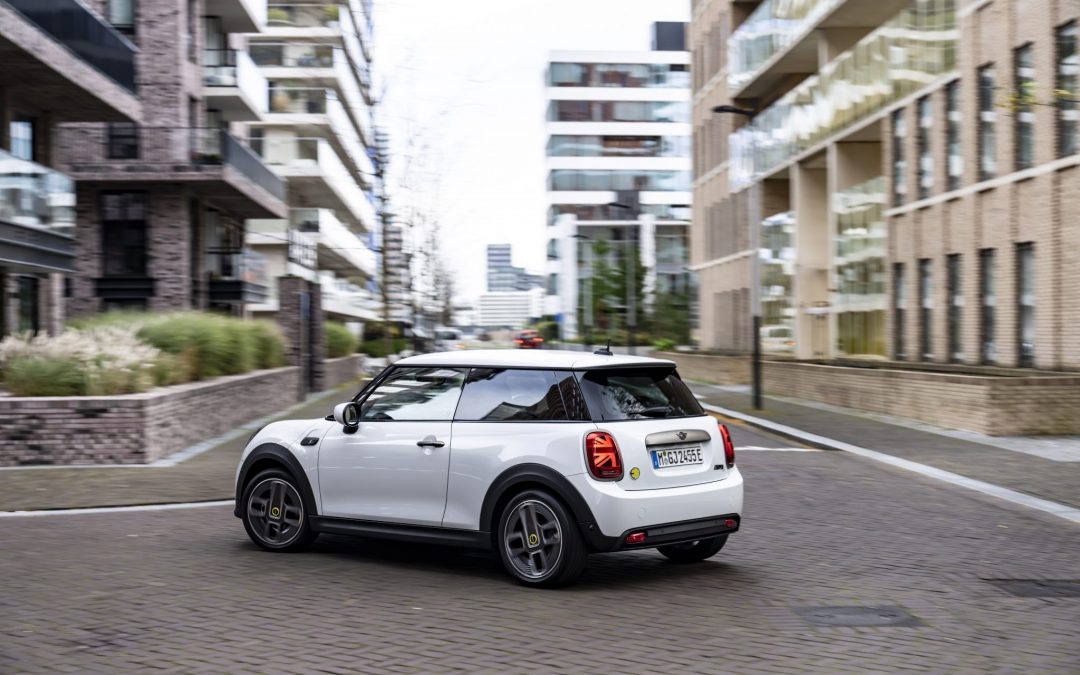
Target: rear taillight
x,y
729,447
602,456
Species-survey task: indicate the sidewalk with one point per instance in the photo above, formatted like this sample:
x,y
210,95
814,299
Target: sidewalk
x,y
1026,467
204,477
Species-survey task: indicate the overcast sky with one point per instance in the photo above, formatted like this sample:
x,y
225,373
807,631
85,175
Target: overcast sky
x,y
464,104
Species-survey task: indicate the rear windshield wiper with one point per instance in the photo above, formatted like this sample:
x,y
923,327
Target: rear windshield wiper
x,y
654,411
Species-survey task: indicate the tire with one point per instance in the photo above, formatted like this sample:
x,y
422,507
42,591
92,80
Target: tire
x,y
288,529
694,551
539,542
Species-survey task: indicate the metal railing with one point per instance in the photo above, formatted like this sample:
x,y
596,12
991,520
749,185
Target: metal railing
x,y
90,38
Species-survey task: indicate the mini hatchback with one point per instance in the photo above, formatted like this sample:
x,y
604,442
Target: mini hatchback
x,y
543,457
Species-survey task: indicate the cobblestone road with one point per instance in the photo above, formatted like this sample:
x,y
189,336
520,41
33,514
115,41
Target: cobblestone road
x,y
185,591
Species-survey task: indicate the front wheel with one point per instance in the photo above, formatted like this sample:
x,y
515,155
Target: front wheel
x,y
539,542
273,512
693,551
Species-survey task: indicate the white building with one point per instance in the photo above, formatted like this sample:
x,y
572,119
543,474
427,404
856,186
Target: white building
x,y
315,58
618,131
510,309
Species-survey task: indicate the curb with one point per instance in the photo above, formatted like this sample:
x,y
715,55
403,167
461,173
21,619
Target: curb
x,y
1046,506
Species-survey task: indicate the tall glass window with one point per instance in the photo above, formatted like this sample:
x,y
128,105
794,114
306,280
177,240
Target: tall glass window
x,y
1025,300
952,135
956,307
1068,73
987,307
899,309
926,154
987,117
861,302
1024,115
926,310
22,139
899,178
122,14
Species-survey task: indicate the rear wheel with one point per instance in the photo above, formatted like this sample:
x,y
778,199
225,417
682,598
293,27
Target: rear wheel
x,y
693,551
273,512
539,542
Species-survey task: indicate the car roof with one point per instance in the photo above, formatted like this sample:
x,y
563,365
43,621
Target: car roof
x,y
529,358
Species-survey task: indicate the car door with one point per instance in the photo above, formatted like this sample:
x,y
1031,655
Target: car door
x,y
393,467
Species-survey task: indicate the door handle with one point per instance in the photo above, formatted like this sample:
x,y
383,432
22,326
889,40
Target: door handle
x,y
430,442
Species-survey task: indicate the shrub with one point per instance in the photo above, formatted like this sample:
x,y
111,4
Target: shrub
x,y
269,344
664,344
340,341
37,376
377,348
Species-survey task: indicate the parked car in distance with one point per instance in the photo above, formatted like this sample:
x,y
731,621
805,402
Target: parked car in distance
x,y
528,339
543,457
777,339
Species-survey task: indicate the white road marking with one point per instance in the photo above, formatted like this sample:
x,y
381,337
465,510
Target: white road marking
x,y
1060,510
116,509
758,448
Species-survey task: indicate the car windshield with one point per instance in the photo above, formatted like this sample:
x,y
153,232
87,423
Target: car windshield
x,y
637,393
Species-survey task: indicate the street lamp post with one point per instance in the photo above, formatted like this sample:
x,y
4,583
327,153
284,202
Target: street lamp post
x,y
755,260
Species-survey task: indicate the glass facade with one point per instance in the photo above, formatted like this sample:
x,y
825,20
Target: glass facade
x,y
777,249
674,75
770,28
1025,304
926,150
956,307
1024,115
986,121
619,146
861,243
906,53
1068,76
987,308
571,179
619,111
953,118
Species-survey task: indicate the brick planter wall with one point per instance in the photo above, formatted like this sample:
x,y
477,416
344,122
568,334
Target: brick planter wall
x,y
710,368
136,428
342,370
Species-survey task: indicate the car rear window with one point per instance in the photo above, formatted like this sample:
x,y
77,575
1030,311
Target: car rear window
x,y
637,394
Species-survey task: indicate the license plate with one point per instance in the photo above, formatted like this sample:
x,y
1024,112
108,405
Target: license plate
x,y
691,454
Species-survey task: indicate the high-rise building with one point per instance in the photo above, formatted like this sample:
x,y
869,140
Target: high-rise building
x,y
618,172
503,276
57,68
910,172
161,200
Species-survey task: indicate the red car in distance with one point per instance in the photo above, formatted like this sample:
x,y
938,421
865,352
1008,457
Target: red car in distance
x,y
528,339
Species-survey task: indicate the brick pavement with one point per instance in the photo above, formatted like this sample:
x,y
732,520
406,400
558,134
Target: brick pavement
x,y
185,591
1054,480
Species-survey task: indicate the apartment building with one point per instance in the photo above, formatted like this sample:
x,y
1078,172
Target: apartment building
x,y
503,276
161,203
315,58
618,157
62,63
914,164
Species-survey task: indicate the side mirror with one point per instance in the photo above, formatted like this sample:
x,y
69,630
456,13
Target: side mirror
x,y
347,414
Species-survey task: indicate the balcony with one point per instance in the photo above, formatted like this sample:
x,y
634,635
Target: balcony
x,y
314,62
37,216
237,277
225,169
238,16
67,60
340,250
316,174
781,38
303,15
344,299
233,84
915,48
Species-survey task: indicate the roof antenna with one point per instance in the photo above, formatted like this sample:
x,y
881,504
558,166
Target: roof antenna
x,y
605,351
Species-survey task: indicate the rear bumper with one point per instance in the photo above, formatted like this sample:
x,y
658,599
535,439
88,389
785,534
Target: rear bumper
x,y
673,533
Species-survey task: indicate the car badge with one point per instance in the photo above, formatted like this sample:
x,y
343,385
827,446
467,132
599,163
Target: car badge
x,y
681,435
635,473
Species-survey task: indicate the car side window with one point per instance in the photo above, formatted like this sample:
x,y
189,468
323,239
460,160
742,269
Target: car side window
x,y
511,395
415,394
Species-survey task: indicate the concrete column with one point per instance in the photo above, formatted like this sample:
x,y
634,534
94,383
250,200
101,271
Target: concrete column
x,y
301,319
51,303
9,315
810,201
168,249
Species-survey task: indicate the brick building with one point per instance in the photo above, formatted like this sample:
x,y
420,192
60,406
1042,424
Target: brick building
x,y
917,166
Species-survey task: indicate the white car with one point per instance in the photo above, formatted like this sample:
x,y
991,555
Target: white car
x,y
543,456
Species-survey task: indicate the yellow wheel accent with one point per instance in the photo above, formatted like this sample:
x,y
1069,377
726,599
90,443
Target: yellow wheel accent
x,y
533,539
275,512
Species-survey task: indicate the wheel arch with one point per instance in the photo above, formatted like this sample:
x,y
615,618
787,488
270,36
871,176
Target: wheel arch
x,y
274,456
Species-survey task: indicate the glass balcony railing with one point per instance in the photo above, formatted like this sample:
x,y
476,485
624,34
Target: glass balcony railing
x,y
860,301
770,29
292,54
292,154
84,33
303,15
35,196
232,68
299,100
904,55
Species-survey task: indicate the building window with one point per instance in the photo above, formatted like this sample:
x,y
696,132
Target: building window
x,y
553,284
1024,116
122,141
926,310
27,310
987,117
926,154
122,14
1068,70
1025,300
956,307
899,308
952,135
123,234
899,127
22,139
987,307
